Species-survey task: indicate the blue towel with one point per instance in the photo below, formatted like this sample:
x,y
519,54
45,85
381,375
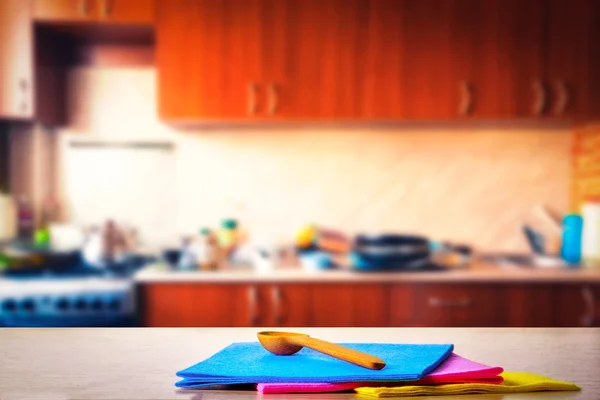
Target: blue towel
x,y
251,363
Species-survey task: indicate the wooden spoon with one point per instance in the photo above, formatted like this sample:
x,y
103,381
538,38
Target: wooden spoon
x,y
287,343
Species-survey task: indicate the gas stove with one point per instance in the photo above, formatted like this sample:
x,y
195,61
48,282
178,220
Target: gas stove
x,y
76,297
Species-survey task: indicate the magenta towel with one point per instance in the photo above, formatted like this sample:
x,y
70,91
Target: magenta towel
x,y
455,369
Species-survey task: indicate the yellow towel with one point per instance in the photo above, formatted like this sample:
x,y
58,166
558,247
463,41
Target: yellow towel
x,y
514,382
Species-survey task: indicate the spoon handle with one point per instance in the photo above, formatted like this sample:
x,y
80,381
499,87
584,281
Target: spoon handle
x,y
341,352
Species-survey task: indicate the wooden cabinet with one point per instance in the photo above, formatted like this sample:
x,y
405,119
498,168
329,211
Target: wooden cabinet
x,y
339,305
567,67
189,305
409,304
577,305
208,59
110,11
447,305
310,58
376,59
16,60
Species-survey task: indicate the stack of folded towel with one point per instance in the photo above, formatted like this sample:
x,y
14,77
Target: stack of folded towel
x,y
411,369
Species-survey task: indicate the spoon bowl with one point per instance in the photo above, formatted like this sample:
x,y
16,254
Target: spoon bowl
x,y
288,343
280,343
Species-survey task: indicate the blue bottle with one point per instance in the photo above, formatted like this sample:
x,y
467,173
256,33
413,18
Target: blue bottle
x,y
571,239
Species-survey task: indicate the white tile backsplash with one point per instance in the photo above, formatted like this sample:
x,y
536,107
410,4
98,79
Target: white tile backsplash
x,y
465,182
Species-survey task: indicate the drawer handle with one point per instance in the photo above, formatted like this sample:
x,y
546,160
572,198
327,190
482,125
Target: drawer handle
x,y
449,303
539,106
106,8
83,7
590,312
253,305
252,103
278,305
273,99
563,97
466,95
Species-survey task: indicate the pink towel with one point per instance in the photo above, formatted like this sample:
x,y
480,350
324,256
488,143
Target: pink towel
x,y
455,369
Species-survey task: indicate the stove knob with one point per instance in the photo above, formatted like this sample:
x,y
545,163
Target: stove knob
x,y
63,305
9,305
81,304
97,305
28,305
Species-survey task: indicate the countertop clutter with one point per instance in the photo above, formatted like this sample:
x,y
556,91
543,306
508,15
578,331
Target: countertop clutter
x,y
477,272
88,364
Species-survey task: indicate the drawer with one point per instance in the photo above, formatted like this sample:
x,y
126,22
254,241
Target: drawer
x,y
457,305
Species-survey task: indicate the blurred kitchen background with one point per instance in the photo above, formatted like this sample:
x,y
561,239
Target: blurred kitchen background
x,y
299,163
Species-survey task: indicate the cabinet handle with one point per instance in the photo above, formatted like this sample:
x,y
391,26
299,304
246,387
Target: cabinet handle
x,y
252,103
277,305
466,96
106,8
563,97
83,7
273,99
449,303
590,313
253,305
539,104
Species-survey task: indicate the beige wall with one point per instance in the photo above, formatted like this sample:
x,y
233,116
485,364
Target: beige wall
x,y
465,182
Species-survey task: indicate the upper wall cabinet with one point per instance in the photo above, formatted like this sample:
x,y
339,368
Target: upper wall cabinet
x,y
16,60
209,60
253,59
376,59
110,11
567,67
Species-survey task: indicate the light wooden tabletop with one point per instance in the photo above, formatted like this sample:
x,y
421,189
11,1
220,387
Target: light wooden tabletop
x,y
95,364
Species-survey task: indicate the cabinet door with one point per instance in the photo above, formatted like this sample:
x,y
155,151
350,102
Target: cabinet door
x,y
569,36
456,305
311,59
208,59
287,305
350,305
593,62
16,63
523,91
577,305
427,87
473,67
126,11
529,305
189,305
64,10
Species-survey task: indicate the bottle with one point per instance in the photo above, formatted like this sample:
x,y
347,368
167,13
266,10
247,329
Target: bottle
x,y
571,242
208,250
25,219
590,241
227,237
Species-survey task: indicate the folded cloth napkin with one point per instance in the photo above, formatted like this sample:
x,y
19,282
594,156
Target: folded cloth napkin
x,y
251,363
455,369
514,382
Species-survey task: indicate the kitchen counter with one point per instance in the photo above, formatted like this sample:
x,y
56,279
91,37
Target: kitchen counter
x,y
141,363
477,272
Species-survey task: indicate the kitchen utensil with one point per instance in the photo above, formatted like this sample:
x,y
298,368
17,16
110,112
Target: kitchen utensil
x,y
390,252
287,343
535,239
